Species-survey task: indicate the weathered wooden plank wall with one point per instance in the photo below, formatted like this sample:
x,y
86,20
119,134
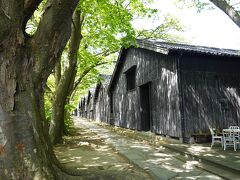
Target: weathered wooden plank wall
x,y
102,106
85,107
161,71
82,107
90,104
211,93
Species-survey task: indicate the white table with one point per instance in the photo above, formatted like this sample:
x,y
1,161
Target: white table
x,y
232,130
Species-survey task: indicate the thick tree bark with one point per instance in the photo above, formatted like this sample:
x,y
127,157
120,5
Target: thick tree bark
x,y
229,10
66,82
58,73
25,64
25,148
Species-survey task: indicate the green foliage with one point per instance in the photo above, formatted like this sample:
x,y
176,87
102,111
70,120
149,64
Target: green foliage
x,y
68,121
48,109
88,81
48,97
164,31
199,4
107,26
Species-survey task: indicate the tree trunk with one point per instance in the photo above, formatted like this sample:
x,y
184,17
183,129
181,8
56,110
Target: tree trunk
x,y
24,147
57,73
66,82
25,64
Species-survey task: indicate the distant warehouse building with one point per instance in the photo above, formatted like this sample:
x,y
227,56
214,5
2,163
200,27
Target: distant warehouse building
x,y
174,89
102,101
96,104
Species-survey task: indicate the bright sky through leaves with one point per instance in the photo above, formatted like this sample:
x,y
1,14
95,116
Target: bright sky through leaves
x,y
207,28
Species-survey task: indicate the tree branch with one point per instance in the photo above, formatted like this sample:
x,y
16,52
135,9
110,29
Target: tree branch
x,y
106,53
52,35
228,9
58,73
84,73
57,13
48,89
76,36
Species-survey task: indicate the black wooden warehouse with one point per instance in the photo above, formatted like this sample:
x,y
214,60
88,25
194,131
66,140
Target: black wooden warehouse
x,y
82,110
174,89
101,100
95,105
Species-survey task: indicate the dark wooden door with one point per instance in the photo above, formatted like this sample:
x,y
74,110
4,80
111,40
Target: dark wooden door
x,y
145,107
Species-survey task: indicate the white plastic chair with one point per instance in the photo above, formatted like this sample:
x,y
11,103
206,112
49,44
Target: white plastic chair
x,y
236,134
215,137
229,139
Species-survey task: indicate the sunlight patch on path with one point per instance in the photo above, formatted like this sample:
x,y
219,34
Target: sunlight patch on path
x,y
87,151
160,162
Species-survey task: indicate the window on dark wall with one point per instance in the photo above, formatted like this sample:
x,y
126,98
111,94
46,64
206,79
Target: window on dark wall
x,y
131,78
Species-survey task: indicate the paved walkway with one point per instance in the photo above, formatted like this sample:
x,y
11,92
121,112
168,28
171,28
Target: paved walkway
x,y
162,161
225,163
216,160
86,151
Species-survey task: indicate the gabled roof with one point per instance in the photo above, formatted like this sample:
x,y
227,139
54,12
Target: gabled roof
x,y
103,83
168,48
83,101
92,90
105,79
90,94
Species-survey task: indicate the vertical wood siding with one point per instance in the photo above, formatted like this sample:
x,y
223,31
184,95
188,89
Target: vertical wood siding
x,y
89,107
211,93
102,105
83,108
161,71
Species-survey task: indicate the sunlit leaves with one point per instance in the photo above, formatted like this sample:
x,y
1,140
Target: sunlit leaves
x,y
165,31
33,22
107,26
199,4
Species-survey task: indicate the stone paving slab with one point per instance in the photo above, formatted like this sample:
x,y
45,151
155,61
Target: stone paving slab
x,y
229,158
88,153
216,160
160,162
226,163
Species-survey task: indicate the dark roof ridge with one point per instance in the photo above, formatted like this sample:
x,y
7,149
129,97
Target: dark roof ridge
x,y
167,47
